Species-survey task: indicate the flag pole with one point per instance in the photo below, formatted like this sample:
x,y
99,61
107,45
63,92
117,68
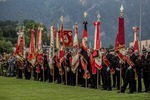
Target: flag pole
x,y
85,15
40,27
62,20
34,51
98,16
140,26
121,15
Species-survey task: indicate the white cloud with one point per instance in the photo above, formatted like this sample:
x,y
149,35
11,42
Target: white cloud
x,y
102,34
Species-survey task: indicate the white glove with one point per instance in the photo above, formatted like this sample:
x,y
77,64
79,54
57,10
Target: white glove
x,y
108,69
129,68
117,69
86,71
51,67
72,70
60,69
68,69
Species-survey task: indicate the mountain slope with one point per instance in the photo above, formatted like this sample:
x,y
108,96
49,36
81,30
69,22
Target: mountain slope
x,y
72,10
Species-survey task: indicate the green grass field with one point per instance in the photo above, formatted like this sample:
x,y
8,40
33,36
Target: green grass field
x,y
20,89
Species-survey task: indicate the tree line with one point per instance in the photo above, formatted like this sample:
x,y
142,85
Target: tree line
x,y
8,33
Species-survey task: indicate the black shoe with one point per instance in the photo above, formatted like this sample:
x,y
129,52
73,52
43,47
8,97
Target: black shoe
x,y
130,92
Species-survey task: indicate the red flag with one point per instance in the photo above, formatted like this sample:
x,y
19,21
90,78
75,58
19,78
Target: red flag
x,y
68,38
20,49
85,37
136,44
84,54
97,53
120,39
31,56
97,36
39,52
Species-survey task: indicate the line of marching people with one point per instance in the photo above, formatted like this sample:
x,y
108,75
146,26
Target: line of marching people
x,y
62,72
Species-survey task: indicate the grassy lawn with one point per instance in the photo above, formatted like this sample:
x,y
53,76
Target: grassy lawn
x,y
20,89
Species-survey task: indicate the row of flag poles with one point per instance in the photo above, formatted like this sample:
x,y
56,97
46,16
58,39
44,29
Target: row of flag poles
x,y
62,39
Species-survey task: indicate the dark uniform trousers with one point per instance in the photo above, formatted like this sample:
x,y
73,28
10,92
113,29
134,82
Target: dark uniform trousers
x,y
129,78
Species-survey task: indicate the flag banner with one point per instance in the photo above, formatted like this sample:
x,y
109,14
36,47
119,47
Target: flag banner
x,y
75,54
85,60
39,48
97,36
68,38
20,64
65,37
51,50
57,40
136,44
58,63
31,52
98,59
39,40
92,62
97,54
40,59
120,40
20,51
84,66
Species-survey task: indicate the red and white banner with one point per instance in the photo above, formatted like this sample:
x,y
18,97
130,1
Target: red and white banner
x,y
66,37
75,55
31,52
97,35
39,49
136,44
51,50
97,53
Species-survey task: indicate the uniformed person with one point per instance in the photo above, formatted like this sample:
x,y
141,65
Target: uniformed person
x,y
130,73
146,69
107,64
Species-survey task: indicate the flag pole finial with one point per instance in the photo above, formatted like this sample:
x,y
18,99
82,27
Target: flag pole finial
x,y
121,11
62,19
33,26
98,16
85,14
40,26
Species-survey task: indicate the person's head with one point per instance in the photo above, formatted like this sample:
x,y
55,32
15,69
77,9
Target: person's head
x,y
136,52
131,50
106,50
144,51
91,50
